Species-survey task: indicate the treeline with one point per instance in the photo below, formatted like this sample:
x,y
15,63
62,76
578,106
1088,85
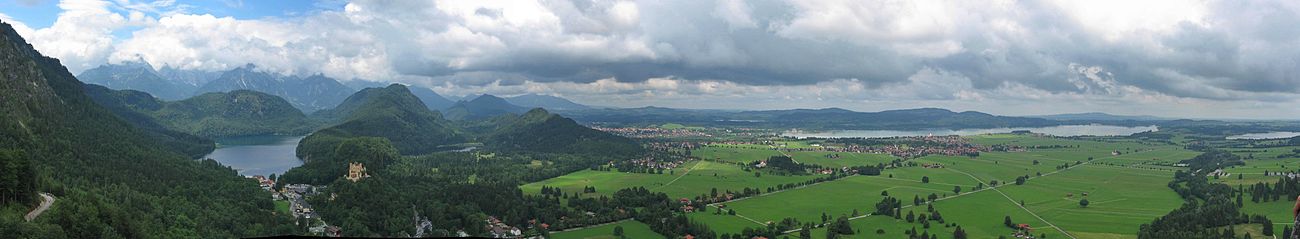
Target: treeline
x,y
1286,188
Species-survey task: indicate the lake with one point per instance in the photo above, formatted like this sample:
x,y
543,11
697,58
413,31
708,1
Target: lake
x,y
1269,135
1063,130
257,155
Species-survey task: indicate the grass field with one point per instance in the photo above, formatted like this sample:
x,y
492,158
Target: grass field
x,y
845,159
1120,199
282,206
834,198
632,229
687,181
735,153
1125,190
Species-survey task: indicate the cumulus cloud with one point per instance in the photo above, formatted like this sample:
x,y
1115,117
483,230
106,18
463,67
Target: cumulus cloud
x,y
854,54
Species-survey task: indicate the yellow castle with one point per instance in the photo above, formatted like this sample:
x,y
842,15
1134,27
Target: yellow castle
x,y
356,172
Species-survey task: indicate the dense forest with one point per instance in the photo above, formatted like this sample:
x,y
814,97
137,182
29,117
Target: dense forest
x,y
111,179
540,131
234,113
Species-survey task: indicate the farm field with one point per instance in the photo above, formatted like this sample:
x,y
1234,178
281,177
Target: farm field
x,y
735,153
835,198
1120,198
687,181
844,159
1125,190
632,229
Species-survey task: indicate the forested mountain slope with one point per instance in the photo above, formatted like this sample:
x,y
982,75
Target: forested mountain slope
x,y
112,180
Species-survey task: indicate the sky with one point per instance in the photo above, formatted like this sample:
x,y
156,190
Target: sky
x,y
1172,58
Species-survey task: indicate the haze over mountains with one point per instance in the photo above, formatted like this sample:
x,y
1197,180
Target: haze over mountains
x,y
317,92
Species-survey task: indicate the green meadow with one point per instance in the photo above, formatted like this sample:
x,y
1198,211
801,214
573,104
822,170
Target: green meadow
x,y
632,229
687,181
1125,190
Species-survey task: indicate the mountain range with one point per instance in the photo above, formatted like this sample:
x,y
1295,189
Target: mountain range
x,y
138,75
320,93
308,94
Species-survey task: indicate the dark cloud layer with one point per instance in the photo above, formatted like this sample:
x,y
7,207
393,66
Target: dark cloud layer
x,y
1158,52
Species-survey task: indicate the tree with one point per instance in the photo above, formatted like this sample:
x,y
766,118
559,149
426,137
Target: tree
x,y
959,233
1083,203
17,179
805,232
1268,228
925,179
956,189
1007,221
841,226
618,231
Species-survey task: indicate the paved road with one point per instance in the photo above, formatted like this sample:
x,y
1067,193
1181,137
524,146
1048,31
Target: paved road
x,y
46,201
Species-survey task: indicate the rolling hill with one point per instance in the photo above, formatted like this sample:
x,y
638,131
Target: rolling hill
x,y
482,107
541,131
235,113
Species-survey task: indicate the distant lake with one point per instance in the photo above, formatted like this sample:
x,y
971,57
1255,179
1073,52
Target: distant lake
x,y
1064,130
257,155
1269,135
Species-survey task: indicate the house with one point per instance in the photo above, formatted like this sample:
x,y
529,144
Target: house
x,y
333,231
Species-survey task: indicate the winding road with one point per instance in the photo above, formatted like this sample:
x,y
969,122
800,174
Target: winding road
x,y
46,201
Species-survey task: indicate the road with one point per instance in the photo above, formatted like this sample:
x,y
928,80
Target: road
x,y
46,201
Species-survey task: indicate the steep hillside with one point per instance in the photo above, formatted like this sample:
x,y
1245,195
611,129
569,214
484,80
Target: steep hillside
x,y
235,113
112,180
135,107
